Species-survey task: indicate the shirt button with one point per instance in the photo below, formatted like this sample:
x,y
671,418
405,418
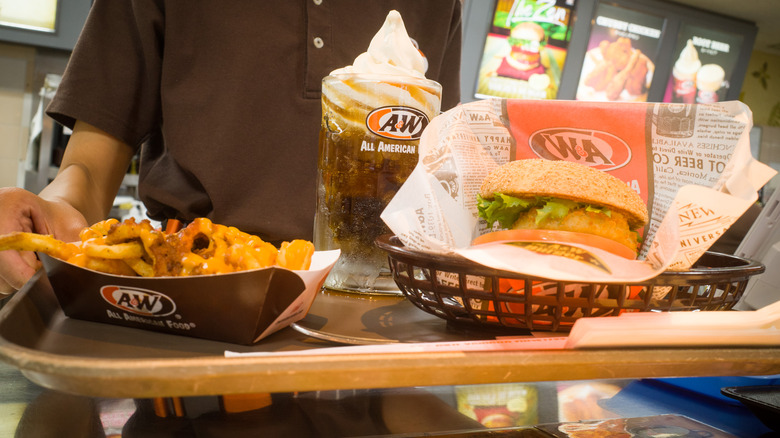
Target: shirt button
x,y
317,2
318,43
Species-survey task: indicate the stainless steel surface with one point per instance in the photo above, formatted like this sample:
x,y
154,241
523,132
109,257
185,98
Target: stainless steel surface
x,y
339,339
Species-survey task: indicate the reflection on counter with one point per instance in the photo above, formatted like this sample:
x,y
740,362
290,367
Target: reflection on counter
x,y
499,405
658,426
512,409
406,411
580,400
529,404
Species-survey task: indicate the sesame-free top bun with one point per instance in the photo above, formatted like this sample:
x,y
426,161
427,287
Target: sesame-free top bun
x,y
528,30
565,180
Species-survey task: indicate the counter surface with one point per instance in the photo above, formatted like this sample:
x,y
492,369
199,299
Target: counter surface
x,y
100,360
28,410
63,375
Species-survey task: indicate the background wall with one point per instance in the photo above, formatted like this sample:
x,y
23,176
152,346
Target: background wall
x,y
761,88
24,67
22,72
15,105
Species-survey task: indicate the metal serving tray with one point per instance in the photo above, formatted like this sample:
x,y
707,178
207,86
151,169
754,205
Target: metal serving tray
x,y
103,360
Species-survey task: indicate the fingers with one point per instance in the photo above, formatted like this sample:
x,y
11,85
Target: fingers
x,y
23,211
18,212
16,268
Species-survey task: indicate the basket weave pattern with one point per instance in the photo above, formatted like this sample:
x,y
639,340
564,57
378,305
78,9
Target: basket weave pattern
x,y
462,291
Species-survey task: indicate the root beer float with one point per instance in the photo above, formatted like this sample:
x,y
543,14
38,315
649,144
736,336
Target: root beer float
x,y
373,113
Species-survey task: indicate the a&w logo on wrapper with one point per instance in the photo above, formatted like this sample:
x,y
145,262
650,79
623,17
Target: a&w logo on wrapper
x,y
597,149
397,122
139,301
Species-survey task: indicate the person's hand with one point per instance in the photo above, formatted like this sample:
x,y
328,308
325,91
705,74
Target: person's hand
x,y
24,211
81,194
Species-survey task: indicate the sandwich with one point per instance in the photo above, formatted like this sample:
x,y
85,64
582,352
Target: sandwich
x,y
565,197
526,39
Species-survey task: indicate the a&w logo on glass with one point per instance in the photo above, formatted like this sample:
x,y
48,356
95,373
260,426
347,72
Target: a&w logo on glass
x,y
397,122
139,301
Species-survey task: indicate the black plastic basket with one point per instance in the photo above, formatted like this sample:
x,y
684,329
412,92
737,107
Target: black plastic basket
x,y
467,293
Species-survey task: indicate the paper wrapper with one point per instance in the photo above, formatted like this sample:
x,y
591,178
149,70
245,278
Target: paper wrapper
x,y
691,164
239,307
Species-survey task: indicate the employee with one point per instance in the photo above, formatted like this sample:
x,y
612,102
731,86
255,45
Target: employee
x,y
220,99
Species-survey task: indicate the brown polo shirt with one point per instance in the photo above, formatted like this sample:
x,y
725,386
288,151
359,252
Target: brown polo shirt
x,y
222,96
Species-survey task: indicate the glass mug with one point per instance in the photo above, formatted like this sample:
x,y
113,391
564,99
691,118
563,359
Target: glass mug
x,y
369,134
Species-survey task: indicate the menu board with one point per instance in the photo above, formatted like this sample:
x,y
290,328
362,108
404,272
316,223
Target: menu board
x,y
621,57
525,49
704,63
38,15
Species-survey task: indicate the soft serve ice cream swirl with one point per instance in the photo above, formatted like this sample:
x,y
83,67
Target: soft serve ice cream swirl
x,y
688,63
390,73
391,52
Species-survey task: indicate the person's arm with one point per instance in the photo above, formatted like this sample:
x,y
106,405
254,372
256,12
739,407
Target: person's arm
x,y
81,194
91,172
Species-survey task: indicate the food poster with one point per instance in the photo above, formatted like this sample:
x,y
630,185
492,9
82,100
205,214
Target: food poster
x,y
703,64
622,51
525,49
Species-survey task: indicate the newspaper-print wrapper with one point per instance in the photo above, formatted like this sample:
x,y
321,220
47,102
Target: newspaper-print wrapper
x,y
691,164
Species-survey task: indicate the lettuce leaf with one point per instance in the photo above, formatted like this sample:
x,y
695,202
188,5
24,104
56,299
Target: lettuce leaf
x,y
503,209
602,210
554,209
506,209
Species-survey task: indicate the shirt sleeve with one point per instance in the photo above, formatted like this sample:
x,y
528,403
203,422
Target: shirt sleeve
x,y
112,80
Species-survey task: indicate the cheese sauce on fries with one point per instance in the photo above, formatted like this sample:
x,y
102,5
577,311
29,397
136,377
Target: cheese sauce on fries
x,y
137,249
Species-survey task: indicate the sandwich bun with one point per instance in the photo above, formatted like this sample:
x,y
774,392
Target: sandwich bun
x,y
528,30
565,180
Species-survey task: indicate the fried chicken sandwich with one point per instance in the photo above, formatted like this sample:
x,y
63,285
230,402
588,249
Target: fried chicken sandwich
x,y
566,198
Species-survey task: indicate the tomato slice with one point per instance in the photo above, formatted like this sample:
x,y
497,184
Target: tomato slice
x,y
557,237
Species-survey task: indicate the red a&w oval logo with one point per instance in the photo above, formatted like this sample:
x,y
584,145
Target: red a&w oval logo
x,y
397,122
139,301
598,149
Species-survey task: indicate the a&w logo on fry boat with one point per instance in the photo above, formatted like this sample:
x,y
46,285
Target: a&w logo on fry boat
x,y
397,122
597,149
138,301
